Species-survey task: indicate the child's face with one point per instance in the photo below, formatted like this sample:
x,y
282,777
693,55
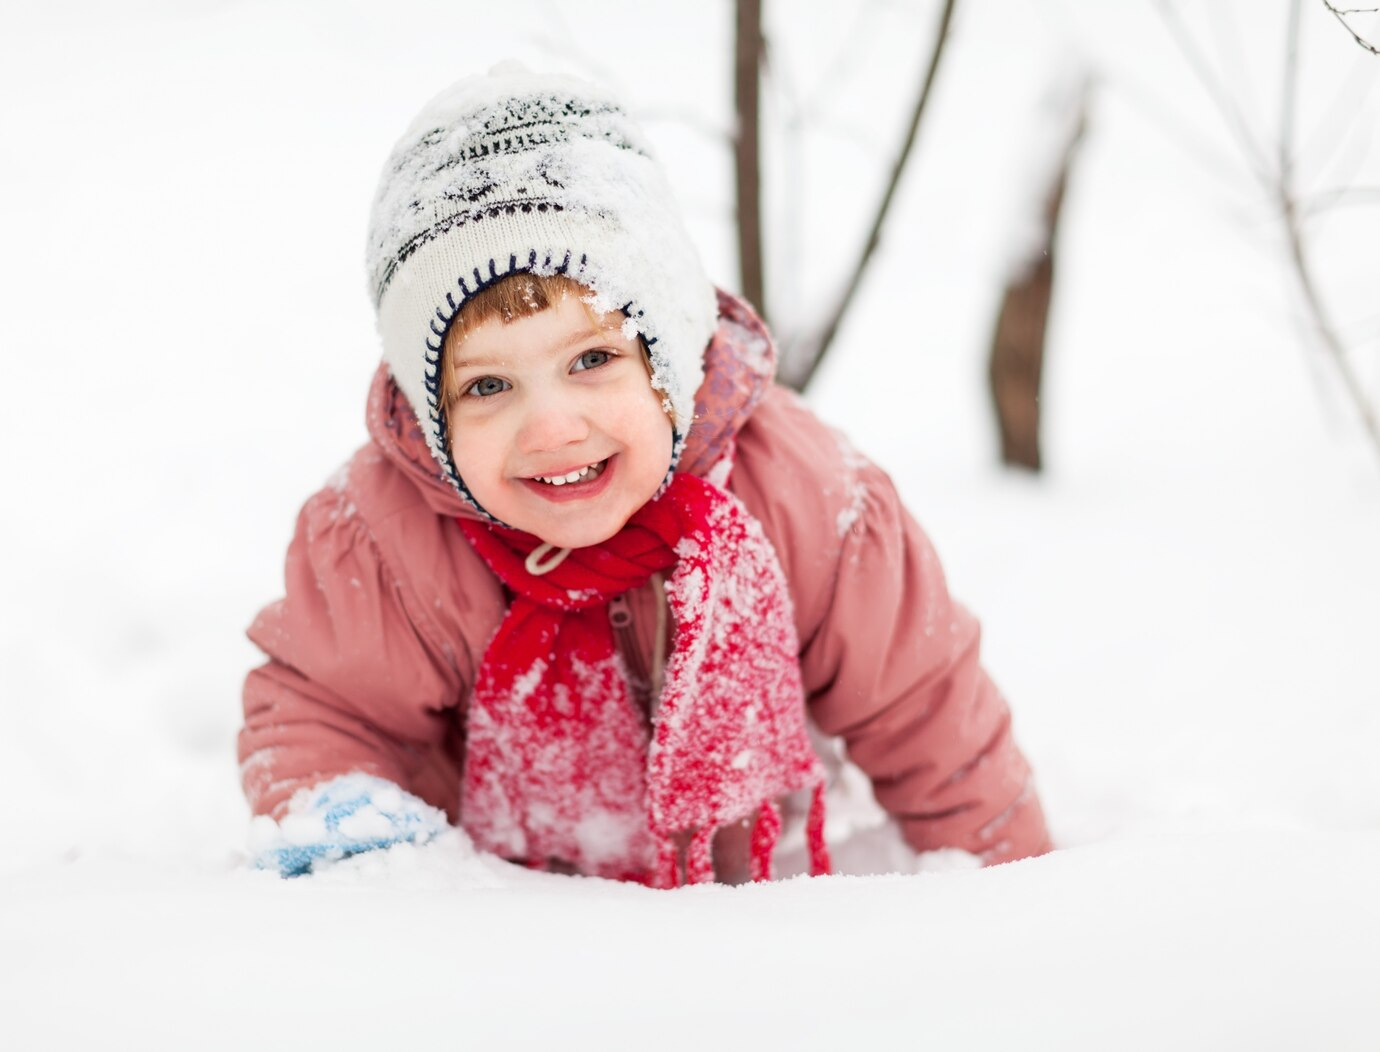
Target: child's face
x,y
557,396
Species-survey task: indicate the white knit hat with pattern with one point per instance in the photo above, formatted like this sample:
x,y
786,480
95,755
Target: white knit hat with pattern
x,y
516,171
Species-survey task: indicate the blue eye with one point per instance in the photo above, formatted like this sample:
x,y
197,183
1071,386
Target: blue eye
x,y
591,360
486,386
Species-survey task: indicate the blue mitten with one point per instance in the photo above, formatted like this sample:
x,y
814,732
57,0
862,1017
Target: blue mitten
x,y
339,818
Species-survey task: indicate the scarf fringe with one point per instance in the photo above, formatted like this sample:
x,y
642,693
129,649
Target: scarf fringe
x,y
814,835
667,864
560,736
699,860
765,832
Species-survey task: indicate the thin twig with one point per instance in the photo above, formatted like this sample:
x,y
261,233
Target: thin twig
x,y
1278,180
1322,322
715,132
1216,161
1343,196
819,346
1293,226
1202,69
1341,16
855,49
1289,102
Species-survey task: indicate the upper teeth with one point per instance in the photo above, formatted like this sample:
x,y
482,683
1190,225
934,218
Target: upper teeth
x,y
561,480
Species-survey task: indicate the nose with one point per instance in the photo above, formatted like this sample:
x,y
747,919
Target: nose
x,y
550,423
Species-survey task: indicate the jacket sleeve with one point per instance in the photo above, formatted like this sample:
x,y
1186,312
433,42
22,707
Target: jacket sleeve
x,y
891,662
357,679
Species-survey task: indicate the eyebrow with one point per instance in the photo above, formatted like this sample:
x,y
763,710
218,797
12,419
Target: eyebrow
x,y
488,361
475,363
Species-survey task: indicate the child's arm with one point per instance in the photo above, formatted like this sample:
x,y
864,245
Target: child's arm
x,y
896,664
357,680
890,661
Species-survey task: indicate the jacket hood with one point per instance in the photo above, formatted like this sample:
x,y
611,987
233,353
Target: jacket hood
x,y
739,365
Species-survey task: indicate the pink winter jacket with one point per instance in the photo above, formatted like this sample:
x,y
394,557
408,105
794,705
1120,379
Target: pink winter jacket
x,y
388,612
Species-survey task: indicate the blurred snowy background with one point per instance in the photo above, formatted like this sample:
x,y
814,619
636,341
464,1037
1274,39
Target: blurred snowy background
x,y
1184,609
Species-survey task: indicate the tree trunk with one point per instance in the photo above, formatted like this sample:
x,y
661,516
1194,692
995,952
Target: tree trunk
x,y
747,152
799,366
1016,363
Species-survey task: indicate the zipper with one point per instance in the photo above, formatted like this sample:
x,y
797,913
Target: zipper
x,y
620,617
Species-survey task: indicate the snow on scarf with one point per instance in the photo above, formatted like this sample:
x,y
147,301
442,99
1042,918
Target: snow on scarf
x,y
560,762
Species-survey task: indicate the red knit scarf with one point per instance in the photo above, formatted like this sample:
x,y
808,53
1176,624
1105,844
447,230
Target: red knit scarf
x,y
561,763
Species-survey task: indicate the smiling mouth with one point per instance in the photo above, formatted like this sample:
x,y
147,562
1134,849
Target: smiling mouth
x,y
585,474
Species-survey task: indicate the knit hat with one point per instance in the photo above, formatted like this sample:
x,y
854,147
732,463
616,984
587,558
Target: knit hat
x,y
522,172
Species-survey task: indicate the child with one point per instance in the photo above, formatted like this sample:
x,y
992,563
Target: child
x,y
593,570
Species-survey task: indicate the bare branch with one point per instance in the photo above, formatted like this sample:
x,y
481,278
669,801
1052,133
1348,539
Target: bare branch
x,y
1202,69
855,50
1015,363
1341,16
1340,197
1220,163
1278,180
1289,101
819,346
1323,323
747,154
716,132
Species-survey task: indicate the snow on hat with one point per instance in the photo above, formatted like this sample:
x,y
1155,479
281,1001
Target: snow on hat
x,y
516,171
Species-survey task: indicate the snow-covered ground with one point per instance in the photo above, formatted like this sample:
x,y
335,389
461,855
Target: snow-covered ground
x,y
1184,610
